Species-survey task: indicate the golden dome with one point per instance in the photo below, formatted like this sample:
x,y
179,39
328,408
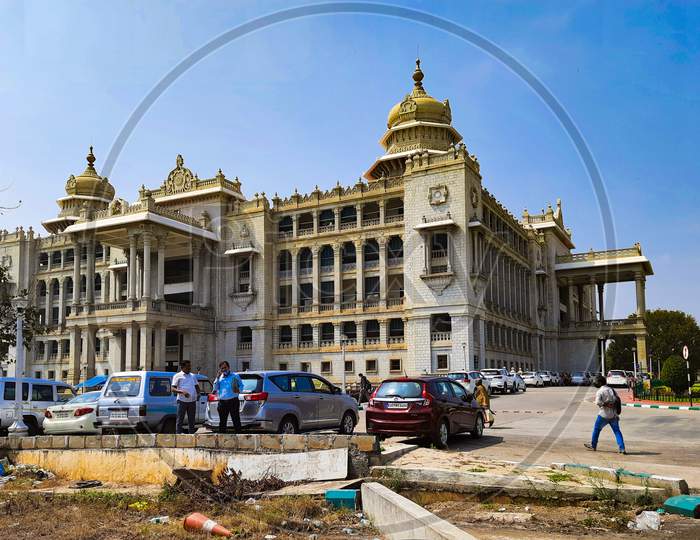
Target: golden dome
x,y
419,106
89,183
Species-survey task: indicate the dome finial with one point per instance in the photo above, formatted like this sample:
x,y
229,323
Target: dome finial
x,y
418,75
91,159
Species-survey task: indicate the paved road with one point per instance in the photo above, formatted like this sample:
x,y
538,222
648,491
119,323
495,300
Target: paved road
x,y
551,424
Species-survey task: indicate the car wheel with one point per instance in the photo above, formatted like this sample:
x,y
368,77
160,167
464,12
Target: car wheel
x,y
525,388
32,426
168,426
288,426
441,435
347,424
478,430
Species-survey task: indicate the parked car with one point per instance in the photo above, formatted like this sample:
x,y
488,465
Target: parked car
x,y
555,378
434,407
500,379
484,381
289,402
532,378
37,395
519,383
546,377
580,378
143,400
616,377
79,415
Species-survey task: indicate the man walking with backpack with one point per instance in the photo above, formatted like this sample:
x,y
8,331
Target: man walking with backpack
x,y
609,409
227,386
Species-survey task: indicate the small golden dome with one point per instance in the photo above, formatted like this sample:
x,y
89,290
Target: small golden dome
x,y
89,183
418,105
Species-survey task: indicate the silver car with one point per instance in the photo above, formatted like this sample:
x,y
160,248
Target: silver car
x,y
289,402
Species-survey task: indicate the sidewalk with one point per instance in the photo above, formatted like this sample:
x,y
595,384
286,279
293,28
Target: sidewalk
x,y
629,401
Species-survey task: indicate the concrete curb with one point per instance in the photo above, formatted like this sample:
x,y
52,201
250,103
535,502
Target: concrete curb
x,y
654,406
673,486
395,451
513,486
400,518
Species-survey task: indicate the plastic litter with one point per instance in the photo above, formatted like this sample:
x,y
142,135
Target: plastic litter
x,y
270,536
250,501
160,519
646,521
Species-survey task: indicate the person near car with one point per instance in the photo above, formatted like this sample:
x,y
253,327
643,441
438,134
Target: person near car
x,y
227,386
483,399
365,389
606,400
187,389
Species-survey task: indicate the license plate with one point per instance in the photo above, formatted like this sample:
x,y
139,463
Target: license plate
x,y
118,415
397,405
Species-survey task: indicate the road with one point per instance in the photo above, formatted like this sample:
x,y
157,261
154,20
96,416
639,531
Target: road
x,y
545,425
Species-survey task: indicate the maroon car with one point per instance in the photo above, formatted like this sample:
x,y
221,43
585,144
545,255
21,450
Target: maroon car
x,y
434,407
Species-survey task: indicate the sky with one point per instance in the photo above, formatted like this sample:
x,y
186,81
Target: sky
x,y
304,103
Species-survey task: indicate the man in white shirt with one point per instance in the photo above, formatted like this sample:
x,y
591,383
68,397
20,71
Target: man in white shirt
x,y
187,389
606,399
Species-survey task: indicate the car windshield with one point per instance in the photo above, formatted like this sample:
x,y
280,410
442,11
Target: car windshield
x,y
457,376
491,372
475,374
123,386
88,397
404,389
529,374
65,393
579,374
617,373
251,384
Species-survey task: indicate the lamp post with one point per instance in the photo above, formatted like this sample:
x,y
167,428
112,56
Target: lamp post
x,y
634,361
464,354
18,427
343,338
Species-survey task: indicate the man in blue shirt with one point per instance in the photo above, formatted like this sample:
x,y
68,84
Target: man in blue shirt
x,y
227,387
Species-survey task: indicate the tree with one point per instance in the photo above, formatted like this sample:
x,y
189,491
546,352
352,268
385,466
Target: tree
x,y
668,331
8,317
675,374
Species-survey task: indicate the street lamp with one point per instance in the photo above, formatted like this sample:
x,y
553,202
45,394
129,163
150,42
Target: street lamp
x,y
634,361
464,354
18,427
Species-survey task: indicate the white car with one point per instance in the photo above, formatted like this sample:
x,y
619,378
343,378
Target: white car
x,y
75,416
555,378
500,379
616,377
37,395
468,380
532,378
546,377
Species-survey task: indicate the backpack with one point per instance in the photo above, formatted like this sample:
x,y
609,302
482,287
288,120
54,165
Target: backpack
x,y
618,402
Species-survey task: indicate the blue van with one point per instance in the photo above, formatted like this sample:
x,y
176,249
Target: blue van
x,y
143,401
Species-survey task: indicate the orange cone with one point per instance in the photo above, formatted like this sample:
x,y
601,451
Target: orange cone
x,y
196,522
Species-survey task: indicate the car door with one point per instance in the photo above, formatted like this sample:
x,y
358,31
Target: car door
x,y
327,408
42,397
205,388
159,399
446,401
466,414
307,402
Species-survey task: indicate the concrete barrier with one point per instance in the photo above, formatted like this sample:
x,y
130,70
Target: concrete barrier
x,y
150,458
399,518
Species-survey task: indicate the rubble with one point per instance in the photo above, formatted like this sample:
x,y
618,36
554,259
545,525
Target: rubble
x,y
227,487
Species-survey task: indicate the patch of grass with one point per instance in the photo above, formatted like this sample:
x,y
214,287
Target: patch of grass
x,y
557,477
478,469
425,498
393,478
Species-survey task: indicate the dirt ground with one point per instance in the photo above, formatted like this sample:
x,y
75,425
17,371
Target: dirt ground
x,y
116,515
554,520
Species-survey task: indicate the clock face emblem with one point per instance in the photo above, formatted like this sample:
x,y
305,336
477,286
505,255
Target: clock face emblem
x,y
437,195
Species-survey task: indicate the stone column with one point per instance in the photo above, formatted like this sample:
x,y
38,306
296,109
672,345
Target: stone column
x,y
639,282
116,296
359,273
145,347
336,212
294,252
76,274
139,275
196,262
315,218
147,242
601,304
206,271
90,273
383,285
132,270
160,281
116,351
106,286
381,211
90,337
295,225
61,301
642,359
47,304
74,370
383,331
131,346
295,336
316,284
482,344
570,305
159,348
337,279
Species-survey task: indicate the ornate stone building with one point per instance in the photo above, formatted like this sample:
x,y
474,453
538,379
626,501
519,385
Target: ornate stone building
x,y
415,268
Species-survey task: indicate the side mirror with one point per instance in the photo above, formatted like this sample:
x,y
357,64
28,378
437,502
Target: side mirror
x,y
337,390
467,398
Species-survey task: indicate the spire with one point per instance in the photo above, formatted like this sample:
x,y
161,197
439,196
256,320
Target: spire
x,y
91,160
418,75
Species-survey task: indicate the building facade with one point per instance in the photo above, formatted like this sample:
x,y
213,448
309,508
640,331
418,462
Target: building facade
x,y
416,268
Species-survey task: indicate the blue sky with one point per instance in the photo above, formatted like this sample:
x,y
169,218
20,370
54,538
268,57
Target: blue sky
x,y
305,102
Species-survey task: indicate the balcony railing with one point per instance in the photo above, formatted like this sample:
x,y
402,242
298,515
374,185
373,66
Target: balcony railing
x,y
371,265
245,346
440,336
327,269
284,274
306,308
371,341
370,222
350,342
327,307
349,225
393,219
284,310
306,271
395,261
346,306
284,235
348,266
306,344
393,302
305,232
284,345
393,340
327,342
328,227
371,302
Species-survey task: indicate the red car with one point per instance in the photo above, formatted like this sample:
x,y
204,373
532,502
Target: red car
x,y
434,407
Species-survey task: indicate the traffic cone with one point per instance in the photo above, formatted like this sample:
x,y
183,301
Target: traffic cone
x,y
196,522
